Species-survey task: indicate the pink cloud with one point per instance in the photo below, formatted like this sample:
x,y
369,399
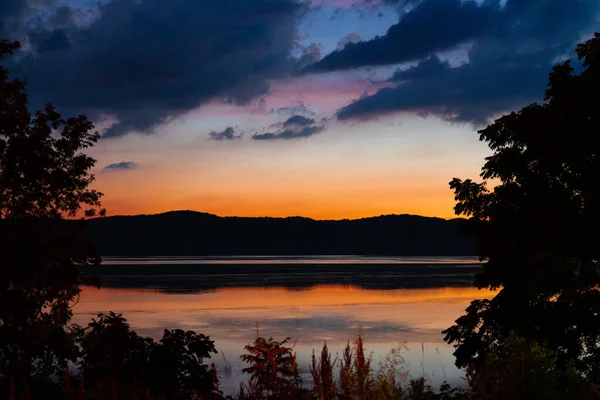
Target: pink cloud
x,y
322,93
317,94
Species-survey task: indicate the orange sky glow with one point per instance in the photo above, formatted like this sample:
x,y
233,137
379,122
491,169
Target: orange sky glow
x,y
344,174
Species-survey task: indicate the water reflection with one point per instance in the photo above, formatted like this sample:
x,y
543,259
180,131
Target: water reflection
x,y
184,274
279,260
335,313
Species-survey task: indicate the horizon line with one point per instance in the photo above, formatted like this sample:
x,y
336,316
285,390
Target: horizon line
x,y
271,217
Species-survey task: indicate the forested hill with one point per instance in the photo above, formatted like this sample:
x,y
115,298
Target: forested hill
x,y
187,233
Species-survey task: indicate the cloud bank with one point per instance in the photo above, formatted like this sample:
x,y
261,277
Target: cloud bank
x,y
434,25
145,63
148,62
512,49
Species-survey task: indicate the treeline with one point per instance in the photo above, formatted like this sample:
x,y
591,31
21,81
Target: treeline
x,y
187,233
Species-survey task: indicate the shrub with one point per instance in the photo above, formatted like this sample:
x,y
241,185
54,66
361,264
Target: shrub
x,y
273,371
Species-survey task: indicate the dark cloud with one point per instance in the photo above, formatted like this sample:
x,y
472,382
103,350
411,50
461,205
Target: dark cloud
x,y
227,134
295,127
41,22
289,133
14,15
433,25
310,54
148,62
507,66
465,94
298,120
298,109
428,68
50,40
349,38
265,136
123,165
365,8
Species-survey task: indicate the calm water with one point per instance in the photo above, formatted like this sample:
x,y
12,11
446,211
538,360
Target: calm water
x,y
278,260
383,302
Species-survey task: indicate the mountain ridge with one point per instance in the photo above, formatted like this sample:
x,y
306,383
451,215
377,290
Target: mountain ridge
x,y
186,232
202,213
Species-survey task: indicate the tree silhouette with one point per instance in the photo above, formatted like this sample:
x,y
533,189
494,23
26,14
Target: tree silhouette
x,y
113,357
273,371
45,180
44,176
538,227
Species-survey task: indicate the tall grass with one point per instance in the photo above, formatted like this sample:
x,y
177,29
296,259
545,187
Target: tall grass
x,y
358,380
273,374
324,385
523,370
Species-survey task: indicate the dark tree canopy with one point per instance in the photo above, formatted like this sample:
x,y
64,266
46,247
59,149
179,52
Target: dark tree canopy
x,y
44,176
538,228
174,366
44,180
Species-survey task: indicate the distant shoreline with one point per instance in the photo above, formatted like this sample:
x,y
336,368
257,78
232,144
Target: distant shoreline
x,y
199,234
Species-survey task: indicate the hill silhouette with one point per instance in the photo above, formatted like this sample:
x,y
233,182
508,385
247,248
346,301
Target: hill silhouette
x,y
189,233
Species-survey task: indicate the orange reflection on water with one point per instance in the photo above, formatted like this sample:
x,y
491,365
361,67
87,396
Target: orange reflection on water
x,y
334,313
424,310
269,297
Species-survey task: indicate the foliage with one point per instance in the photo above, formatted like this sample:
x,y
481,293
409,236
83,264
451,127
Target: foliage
x,y
522,370
419,389
391,375
178,366
324,386
538,227
362,369
357,380
448,392
273,371
110,350
44,175
347,380
175,366
45,178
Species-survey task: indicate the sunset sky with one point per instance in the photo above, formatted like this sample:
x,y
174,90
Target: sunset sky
x,y
322,108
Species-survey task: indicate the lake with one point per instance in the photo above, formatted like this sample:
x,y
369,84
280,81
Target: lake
x,y
393,301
